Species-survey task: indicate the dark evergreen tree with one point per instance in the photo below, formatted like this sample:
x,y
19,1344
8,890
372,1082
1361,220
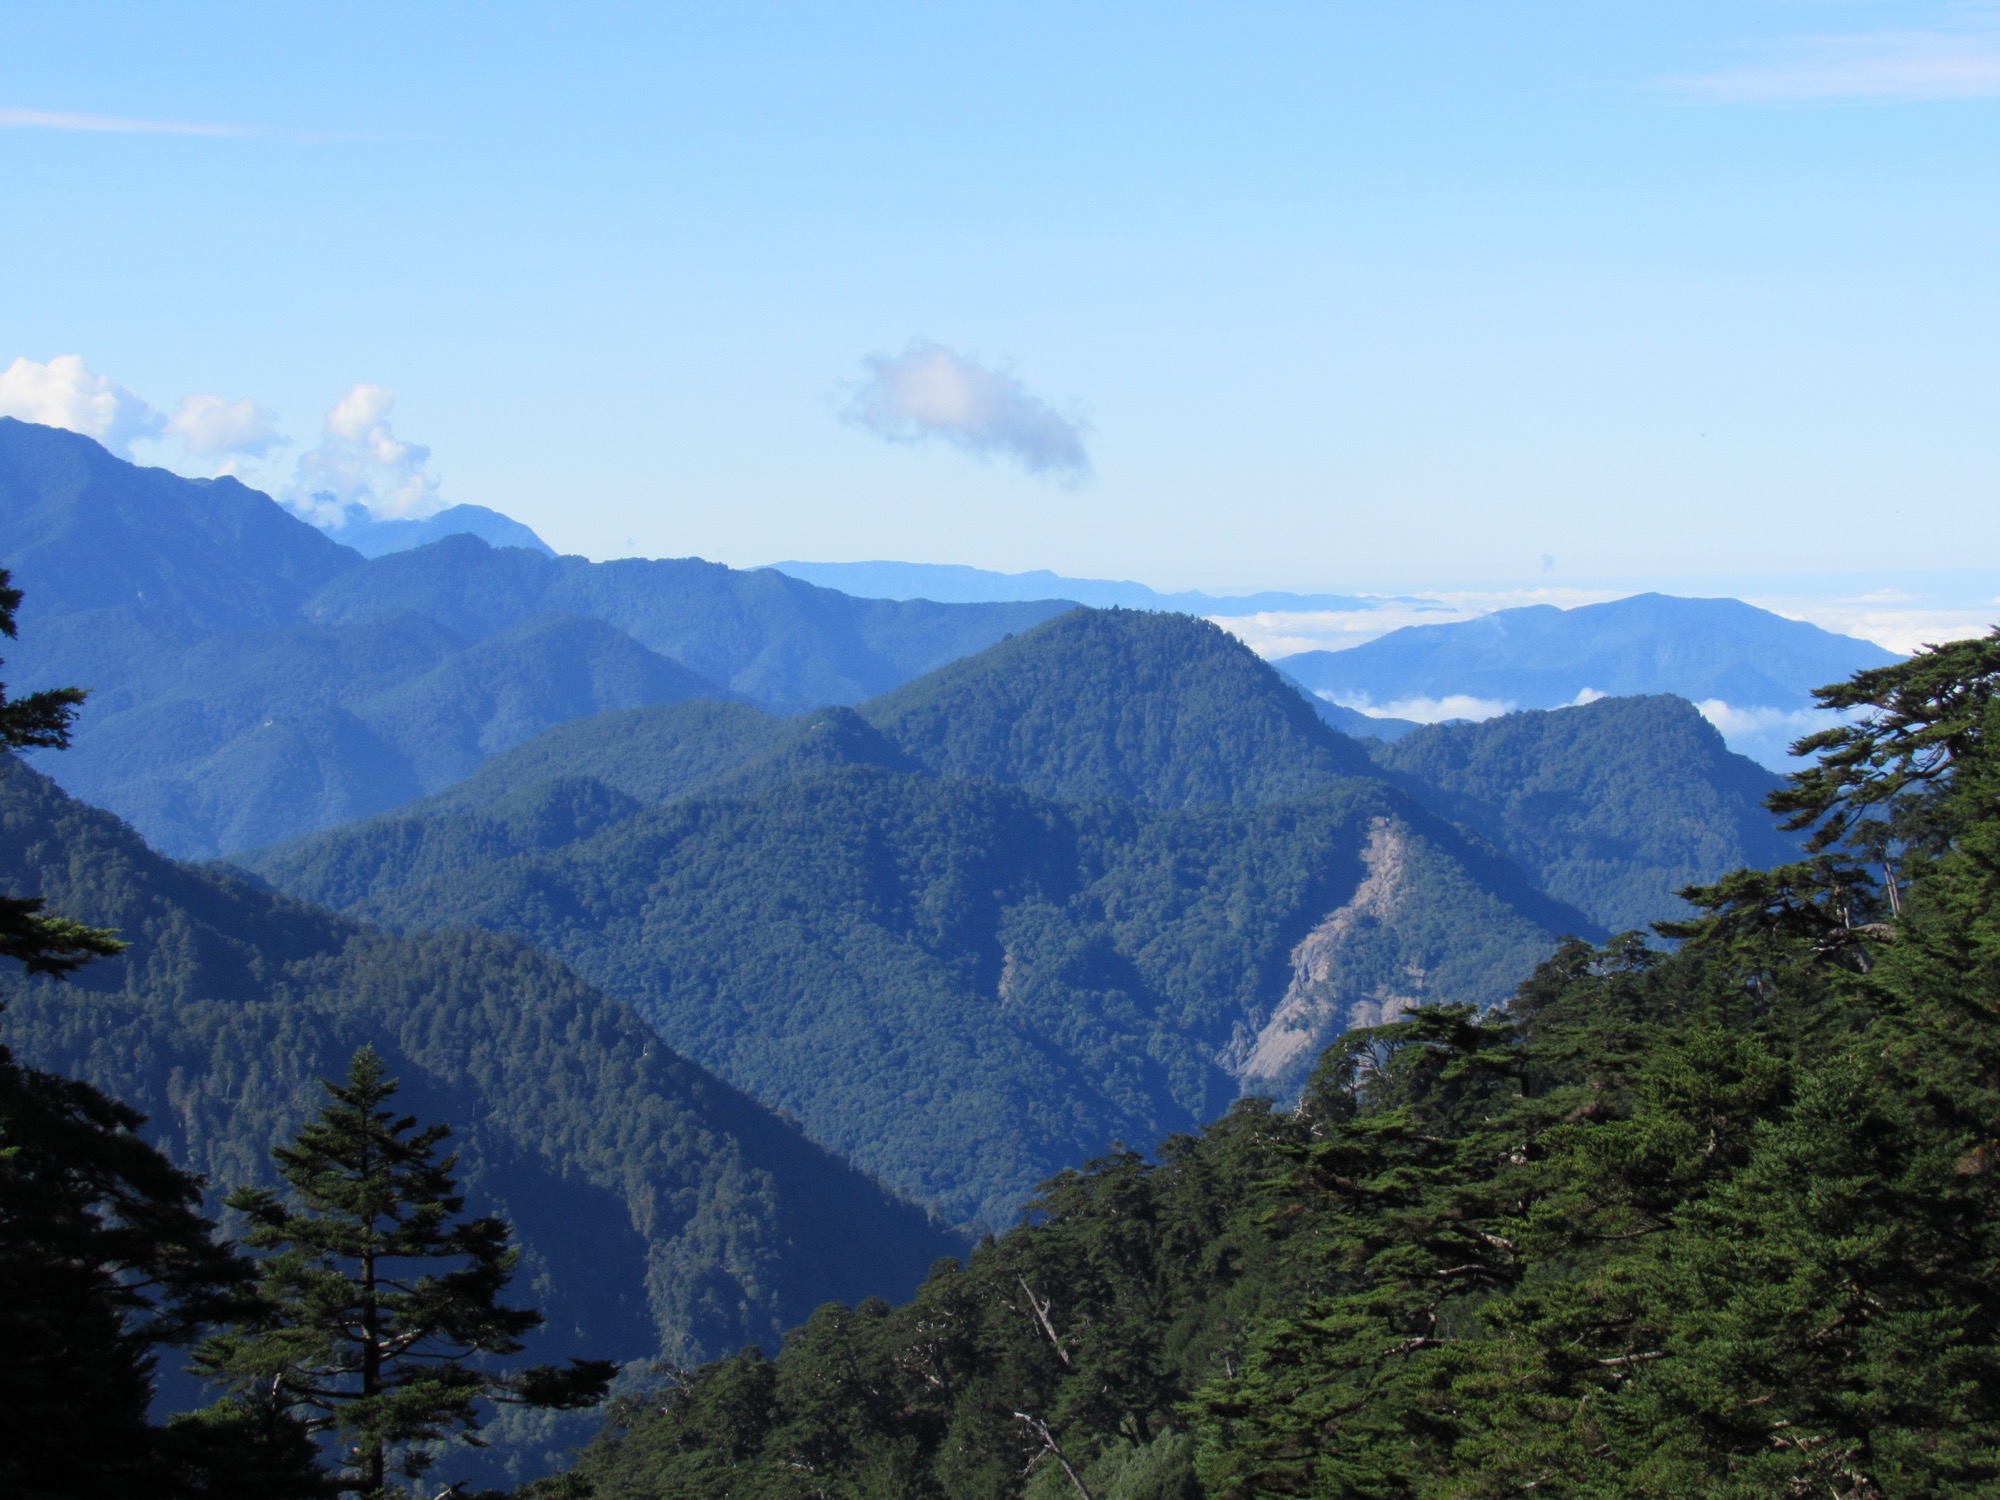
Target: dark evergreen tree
x,y
39,940
104,1258
380,1322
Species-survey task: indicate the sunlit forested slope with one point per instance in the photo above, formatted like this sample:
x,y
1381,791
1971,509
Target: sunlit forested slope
x,y
1159,709
1613,806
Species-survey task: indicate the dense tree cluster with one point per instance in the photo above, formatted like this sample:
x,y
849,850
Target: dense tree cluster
x,y
1723,1220
962,987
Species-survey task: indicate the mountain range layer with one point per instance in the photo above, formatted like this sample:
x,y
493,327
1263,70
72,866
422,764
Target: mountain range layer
x,y
252,679
1751,670
659,1209
954,583
735,1007
1087,885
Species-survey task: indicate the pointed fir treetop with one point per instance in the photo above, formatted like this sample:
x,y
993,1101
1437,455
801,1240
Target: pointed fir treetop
x,y
381,1316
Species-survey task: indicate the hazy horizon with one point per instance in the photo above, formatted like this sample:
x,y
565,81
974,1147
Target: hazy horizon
x,y
1303,298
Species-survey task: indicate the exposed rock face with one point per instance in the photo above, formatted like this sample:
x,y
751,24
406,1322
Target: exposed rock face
x,y
1330,992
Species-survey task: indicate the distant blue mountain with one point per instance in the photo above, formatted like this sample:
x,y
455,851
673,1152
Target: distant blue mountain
x,y
1755,670
253,679
376,538
952,583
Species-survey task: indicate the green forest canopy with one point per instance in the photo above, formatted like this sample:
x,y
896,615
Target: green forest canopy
x,y
1723,1221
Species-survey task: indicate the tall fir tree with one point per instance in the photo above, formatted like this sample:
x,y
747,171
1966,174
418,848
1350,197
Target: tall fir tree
x,y
380,1323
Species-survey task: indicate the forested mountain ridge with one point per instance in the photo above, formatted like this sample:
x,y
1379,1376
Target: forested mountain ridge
x,y
239,742
1024,976
1720,1221
1161,709
960,985
123,565
1612,806
658,1207
778,641
359,684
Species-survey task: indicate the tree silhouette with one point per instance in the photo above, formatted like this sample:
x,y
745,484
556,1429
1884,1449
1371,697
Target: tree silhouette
x,y
380,1321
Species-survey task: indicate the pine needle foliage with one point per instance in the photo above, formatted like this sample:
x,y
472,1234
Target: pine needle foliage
x,y
380,1322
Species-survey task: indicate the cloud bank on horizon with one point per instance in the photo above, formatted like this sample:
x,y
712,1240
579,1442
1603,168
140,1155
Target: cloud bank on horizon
x,y
360,469
932,392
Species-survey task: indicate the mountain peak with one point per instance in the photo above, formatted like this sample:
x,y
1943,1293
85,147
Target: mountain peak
x,y
1158,708
373,537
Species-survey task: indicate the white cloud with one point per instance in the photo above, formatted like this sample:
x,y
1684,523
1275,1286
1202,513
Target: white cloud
x,y
1279,633
15,118
1886,66
929,391
360,464
1895,624
64,393
1427,710
1731,720
1765,735
215,427
1583,696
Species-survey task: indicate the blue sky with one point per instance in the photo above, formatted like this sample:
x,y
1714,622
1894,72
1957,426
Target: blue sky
x,y
1324,296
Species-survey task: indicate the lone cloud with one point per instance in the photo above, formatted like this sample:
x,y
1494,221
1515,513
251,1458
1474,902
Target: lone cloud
x,y
929,391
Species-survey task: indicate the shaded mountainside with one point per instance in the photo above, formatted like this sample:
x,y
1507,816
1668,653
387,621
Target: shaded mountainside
x,y
649,754
1612,806
658,1207
962,986
240,742
123,565
252,679
967,984
778,641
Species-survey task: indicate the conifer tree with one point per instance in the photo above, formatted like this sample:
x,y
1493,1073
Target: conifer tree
x,y
381,1321
104,1254
40,941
